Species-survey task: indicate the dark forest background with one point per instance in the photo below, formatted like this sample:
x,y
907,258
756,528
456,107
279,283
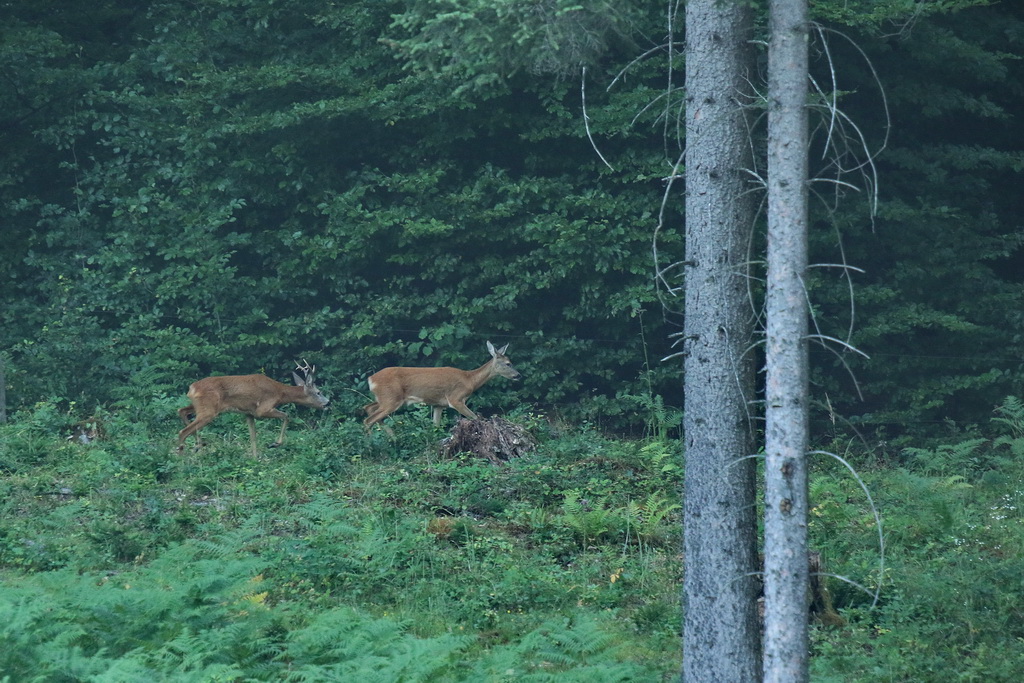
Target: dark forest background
x,y
226,186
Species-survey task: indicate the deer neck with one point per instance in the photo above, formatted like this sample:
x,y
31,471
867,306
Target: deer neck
x,y
482,375
292,394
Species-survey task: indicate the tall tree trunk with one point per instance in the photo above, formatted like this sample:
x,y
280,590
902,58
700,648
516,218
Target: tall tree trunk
x,y
786,571
721,639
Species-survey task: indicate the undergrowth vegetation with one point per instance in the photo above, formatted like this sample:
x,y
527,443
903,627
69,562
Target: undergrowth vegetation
x,y
344,556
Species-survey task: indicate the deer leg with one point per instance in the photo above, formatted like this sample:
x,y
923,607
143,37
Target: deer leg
x,y
377,412
371,410
437,415
461,407
193,428
276,414
382,410
252,434
183,413
280,437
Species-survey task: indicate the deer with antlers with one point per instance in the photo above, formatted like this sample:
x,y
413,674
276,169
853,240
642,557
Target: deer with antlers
x,y
439,388
253,396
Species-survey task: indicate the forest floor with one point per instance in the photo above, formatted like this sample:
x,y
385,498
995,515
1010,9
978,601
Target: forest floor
x,y
346,556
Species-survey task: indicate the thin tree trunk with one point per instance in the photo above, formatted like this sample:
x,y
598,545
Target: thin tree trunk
x,y
721,638
786,431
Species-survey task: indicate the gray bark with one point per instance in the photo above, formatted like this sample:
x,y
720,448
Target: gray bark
x,y
786,429
721,638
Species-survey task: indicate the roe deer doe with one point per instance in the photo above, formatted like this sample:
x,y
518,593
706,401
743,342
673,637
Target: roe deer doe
x,y
439,388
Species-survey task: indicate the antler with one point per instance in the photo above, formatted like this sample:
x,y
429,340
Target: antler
x,y
305,368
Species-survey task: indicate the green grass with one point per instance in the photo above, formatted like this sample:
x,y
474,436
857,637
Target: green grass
x,y
338,557
343,556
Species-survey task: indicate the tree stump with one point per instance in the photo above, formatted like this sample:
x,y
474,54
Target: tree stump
x,y
495,439
820,608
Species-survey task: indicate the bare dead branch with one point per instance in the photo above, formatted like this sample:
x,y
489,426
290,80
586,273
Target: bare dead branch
x,y
874,512
586,118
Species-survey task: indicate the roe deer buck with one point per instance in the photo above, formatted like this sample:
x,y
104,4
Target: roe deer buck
x,y
439,388
253,396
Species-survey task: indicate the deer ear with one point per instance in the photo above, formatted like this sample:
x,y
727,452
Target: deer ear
x,y
490,347
298,380
502,349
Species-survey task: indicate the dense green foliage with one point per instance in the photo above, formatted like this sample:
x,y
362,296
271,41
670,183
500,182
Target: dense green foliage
x,y
939,306
251,182
224,186
352,557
